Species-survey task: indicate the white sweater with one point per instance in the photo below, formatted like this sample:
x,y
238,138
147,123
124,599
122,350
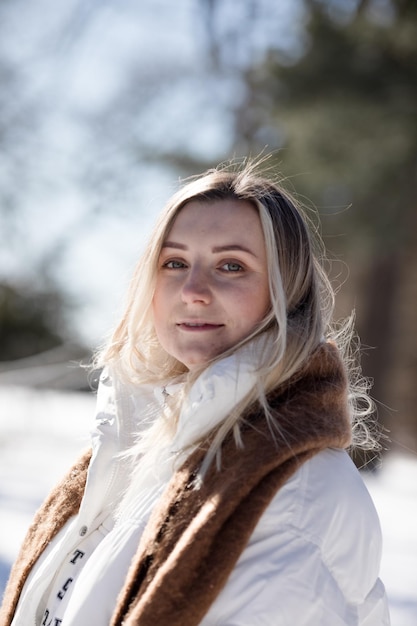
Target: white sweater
x,y
313,558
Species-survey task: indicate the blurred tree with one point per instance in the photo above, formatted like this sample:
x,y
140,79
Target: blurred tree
x,y
30,321
37,171
346,114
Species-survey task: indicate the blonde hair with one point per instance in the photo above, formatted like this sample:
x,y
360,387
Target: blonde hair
x,y
302,298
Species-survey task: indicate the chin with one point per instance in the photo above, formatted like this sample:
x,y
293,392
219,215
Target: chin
x,y
197,361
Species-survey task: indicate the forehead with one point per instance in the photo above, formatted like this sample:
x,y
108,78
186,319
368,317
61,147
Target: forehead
x,y
217,217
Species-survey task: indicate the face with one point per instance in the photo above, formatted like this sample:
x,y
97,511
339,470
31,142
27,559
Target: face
x,y
212,281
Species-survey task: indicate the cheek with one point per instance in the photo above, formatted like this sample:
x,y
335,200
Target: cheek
x,y
254,304
160,322
158,309
159,299
264,302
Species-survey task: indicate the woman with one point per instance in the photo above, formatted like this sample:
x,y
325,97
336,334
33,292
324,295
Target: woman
x,y
218,490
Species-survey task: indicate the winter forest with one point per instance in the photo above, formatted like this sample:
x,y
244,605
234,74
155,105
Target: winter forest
x,y
104,106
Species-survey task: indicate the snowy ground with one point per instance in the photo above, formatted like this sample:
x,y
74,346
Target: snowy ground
x,y
41,432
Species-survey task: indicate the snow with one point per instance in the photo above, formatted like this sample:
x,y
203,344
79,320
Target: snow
x,y
394,491
42,432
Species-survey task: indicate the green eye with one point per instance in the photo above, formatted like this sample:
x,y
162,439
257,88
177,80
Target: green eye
x,y
174,265
232,267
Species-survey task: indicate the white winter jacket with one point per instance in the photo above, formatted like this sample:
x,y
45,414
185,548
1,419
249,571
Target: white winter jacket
x,y
313,558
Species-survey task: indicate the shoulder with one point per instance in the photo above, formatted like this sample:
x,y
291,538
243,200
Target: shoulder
x,y
326,505
314,555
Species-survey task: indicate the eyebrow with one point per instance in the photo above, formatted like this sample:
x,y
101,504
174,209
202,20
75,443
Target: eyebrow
x,y
216,249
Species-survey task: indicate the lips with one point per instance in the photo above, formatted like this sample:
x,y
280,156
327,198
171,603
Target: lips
x,y
200,325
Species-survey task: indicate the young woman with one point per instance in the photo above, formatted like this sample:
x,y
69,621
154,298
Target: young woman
x,y
218,490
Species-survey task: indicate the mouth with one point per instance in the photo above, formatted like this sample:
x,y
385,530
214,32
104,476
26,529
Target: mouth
x,y
196,326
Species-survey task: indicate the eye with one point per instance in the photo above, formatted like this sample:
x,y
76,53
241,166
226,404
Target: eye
x,y
174,264
232,266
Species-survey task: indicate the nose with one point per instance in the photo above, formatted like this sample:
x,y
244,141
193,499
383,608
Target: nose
x,y
196,287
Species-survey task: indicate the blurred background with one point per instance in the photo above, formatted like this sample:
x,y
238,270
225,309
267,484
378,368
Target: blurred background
x,y
105,105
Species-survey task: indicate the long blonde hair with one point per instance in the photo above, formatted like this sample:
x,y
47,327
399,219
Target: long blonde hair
x,y
302,298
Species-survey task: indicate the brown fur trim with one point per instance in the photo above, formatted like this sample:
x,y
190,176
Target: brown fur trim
x,y
63,502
